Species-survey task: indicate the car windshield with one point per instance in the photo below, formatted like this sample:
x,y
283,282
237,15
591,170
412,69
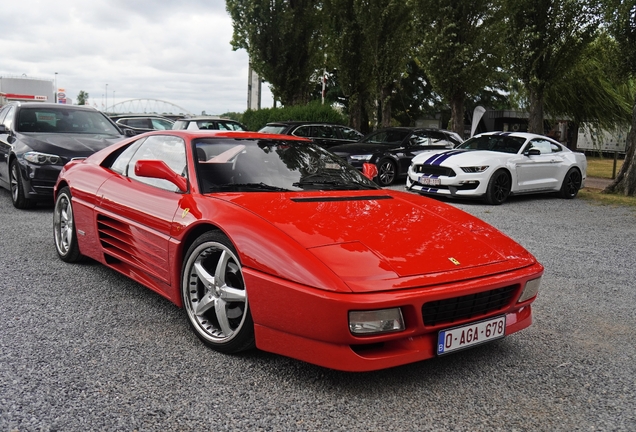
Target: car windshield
x,y
498,143
239,165
64,120
273,129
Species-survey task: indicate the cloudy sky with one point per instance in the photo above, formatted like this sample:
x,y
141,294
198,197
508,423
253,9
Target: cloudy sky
x,y
142,49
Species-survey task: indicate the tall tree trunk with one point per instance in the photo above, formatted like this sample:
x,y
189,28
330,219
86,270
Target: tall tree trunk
x,y
457,114
385,94
535,114
574,128
625,182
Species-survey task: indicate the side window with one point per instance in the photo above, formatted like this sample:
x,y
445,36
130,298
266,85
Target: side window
x,y
555,148
166,148
349,134
438,138
8,120
303,131
420,139
324,132
180,124
542,145
3,114
120,165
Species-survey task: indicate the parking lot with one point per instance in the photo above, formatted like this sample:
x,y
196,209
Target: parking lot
x,y
84,348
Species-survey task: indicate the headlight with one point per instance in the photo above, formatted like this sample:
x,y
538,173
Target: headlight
x,y
531,289
364,157
42,158
376,321
475,169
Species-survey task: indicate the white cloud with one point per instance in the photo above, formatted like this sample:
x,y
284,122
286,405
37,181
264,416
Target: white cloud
x,y
178,52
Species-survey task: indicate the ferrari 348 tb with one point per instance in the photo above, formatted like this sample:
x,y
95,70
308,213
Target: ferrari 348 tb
x,y
270,241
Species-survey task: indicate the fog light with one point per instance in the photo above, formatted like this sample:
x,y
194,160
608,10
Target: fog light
x,y
531,290
376,321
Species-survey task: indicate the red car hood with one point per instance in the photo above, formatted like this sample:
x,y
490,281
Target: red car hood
x,y
383,235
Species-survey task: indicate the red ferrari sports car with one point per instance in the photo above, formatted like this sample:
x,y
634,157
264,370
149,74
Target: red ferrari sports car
x,y
270,241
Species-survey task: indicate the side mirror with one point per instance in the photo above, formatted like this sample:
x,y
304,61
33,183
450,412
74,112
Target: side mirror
x,y
159,170
533,152
3,129
129,132
369,170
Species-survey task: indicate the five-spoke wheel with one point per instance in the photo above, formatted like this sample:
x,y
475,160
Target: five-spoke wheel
x,y
64,227
571,184
498,187
214,294
387,171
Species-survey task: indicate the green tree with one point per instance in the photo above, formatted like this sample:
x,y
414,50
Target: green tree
x,y
282,38
621,19
459,49
545,38
350,55
82,98
591,91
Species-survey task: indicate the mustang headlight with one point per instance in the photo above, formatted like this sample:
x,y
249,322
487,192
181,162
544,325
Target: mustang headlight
x,y
376,321
364,157
475,169
42,158
531,289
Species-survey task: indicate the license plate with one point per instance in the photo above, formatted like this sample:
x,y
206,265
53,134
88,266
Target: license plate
x,y
429,181
457,338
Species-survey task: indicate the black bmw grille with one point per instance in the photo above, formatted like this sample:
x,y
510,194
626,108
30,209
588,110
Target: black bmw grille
x,y
434,170
470,306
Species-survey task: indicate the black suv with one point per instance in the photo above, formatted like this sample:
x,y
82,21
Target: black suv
x,y
38,139
324,134
392,149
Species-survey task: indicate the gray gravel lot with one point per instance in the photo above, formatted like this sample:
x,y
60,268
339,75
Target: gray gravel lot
x,y
84,349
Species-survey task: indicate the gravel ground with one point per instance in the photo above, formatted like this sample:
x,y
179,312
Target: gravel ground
x,y
84,349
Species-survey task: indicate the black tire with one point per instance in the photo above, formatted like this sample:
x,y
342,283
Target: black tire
x,y
64,232
214,295
19,199
571,184
387,172
499,187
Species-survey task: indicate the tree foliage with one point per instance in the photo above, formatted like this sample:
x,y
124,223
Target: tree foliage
x,y
621,16
282,38
545,38
460,49
82,98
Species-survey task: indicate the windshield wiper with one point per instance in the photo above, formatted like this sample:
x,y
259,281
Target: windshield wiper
x,y
258,186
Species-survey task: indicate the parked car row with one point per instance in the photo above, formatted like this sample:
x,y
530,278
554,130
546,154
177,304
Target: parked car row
x,y
37,140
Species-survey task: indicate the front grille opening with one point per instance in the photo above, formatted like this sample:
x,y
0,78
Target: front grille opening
x,y
434,170
455,309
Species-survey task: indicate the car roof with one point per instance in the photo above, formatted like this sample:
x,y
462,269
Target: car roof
x,y
525,135
300,122
123,116
52,105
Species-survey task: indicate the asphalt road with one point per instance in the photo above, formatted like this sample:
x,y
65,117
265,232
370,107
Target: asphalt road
x,y
83,348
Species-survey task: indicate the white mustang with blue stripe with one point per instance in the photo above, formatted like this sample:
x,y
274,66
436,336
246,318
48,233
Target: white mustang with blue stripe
x,y
496,165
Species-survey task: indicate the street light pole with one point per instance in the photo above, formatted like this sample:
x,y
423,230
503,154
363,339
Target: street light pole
x,y
106,96
55,89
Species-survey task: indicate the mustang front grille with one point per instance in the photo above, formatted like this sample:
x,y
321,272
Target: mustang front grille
x,y
434,170
455,309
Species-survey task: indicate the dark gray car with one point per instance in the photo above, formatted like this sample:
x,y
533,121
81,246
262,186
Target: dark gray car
x,y
38,139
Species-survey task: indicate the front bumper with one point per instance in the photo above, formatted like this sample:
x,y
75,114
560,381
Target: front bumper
x,y
461,185
312,325
38,181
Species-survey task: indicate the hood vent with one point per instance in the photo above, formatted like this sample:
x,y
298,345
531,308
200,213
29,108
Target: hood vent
x,y
344,198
